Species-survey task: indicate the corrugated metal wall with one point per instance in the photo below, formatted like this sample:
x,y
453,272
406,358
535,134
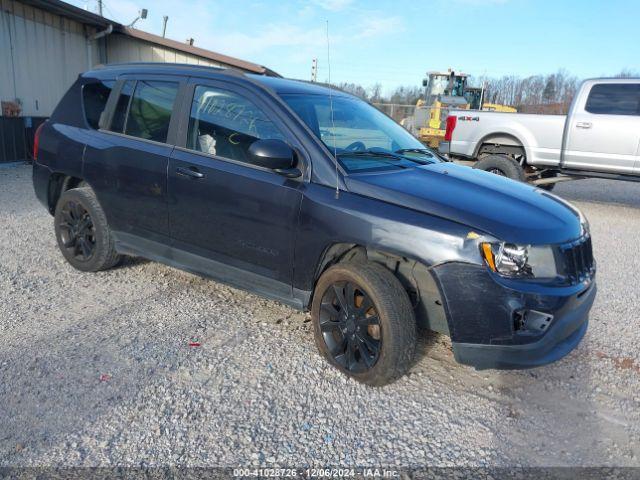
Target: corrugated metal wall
x,y
121,48
41,54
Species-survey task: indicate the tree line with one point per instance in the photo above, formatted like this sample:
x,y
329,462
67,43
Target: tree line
x,y
402,95
551,93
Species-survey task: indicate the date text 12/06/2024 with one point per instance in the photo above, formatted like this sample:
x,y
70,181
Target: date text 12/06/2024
x,y
367,472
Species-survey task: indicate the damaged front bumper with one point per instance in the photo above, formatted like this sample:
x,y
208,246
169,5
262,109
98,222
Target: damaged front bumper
x,y
510,324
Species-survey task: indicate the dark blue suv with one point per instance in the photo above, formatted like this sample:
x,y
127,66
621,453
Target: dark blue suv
x,y
314,198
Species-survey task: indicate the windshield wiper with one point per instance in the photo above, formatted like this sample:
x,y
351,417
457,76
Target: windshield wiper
x,y
371,153
397,155
376,153
423,151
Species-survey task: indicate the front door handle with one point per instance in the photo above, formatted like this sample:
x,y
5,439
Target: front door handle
x,y
191,172
583,124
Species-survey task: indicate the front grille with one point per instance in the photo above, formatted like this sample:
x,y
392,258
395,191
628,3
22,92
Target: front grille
x,y
578,260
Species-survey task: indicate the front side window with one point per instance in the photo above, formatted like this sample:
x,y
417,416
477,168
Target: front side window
x,y
614,99
362,137
94,98
150,110
225,124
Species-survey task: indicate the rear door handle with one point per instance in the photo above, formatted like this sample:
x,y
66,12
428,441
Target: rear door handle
x,y
583,124
191,172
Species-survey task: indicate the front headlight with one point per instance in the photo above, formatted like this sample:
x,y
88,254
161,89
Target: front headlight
x,y
513,260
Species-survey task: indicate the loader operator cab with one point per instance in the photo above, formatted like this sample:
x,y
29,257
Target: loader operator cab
x,y
439,85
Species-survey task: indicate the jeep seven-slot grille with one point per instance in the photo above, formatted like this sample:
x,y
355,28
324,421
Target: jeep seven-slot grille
x,y
578,260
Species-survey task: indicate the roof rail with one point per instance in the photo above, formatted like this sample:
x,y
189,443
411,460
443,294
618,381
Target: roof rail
x,y
160,65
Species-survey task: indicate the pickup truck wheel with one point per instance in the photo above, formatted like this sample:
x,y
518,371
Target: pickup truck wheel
x,y
363,322
82,232
501,165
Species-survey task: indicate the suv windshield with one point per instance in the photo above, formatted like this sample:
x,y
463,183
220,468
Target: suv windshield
x,y
363,137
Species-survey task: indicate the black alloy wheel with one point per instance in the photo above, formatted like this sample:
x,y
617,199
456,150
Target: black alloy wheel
x,y
82,231
363,322
350,327
77,231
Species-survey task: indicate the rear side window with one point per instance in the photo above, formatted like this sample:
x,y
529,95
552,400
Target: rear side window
x,y
150,110
614,99
94,98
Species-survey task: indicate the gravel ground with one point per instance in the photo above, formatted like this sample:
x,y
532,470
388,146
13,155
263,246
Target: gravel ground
x,y
96,369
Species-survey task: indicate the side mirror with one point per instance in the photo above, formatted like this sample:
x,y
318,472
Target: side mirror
x,y
275,155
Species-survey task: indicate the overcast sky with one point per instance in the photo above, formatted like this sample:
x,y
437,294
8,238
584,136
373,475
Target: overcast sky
x,y
396,42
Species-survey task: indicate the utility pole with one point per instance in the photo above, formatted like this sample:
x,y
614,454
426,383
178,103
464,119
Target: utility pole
x,y
100,8
164,25
314,70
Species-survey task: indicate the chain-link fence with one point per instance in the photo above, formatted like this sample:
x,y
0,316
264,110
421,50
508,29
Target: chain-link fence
x,y
396,111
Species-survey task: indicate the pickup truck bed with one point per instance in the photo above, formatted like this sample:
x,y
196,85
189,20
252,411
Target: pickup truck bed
x,y
539,135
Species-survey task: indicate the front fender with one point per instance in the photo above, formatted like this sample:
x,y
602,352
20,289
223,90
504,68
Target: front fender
x,y
353,219
330,226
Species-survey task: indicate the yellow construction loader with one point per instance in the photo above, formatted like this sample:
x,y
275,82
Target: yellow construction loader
x,y
445,91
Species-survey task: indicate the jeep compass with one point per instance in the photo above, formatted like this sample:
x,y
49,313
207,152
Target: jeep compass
x,y
314,198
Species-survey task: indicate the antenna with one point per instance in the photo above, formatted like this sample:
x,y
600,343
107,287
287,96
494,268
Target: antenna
x,y
333,125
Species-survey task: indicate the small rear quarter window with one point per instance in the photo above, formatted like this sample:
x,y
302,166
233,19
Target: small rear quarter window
x,y
94,98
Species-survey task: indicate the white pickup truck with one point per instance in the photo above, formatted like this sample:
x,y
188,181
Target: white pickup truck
x,y
600,137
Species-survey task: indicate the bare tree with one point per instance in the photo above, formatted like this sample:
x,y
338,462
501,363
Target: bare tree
x,y
555,90
626,73
353,89
406,95
549,93
375,93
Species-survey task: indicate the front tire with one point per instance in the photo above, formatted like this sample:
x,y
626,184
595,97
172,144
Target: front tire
x,y
363,322
82,232
501,165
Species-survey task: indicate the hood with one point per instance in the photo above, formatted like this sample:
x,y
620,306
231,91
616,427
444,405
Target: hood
x,y
510,211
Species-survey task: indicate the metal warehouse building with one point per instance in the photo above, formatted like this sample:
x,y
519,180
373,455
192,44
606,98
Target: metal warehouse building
x,y
45,44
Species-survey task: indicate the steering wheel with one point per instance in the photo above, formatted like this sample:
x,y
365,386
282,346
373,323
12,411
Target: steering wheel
x,y
356,147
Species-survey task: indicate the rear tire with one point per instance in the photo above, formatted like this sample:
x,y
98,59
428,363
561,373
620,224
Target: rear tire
x,y
82,232
501,165
373,338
